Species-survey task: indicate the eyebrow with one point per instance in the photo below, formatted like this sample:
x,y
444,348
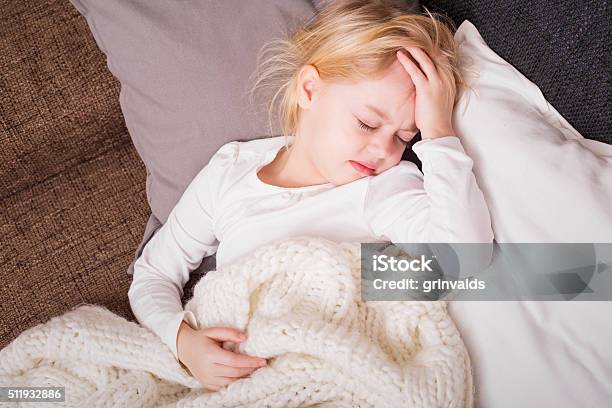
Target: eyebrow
x,y
384,116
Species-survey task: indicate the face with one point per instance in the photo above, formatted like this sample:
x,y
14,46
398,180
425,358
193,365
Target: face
x,y
337,128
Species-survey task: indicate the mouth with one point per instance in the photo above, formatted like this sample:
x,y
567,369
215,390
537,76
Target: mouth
x,y
362,167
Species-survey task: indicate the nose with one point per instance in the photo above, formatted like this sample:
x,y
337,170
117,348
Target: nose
x,y
381,146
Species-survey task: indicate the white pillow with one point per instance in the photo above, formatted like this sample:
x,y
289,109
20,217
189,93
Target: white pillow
x,y
543,182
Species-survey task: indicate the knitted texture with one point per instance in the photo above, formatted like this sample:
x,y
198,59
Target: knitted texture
x,y
299,301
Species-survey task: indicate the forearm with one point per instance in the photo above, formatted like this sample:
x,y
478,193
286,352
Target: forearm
x,y
458,210
156,304
455,199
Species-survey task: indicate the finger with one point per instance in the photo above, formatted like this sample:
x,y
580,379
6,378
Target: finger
x,y
214,387
415,73
232,372
229,345
427,66
225,333
223,382
232,359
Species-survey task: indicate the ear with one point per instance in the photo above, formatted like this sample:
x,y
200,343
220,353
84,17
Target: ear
x,y
308,84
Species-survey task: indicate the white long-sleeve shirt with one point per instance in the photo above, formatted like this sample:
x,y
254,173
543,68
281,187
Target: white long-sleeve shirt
x,y
227,209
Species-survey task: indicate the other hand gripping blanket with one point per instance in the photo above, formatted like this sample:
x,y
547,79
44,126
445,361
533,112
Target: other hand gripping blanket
x,y
299,302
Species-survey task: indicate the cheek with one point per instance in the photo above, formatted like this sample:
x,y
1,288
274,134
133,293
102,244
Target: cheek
x,y
338,140
334,155
395,158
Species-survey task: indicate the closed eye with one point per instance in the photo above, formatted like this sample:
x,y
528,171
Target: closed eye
x,y
370,128
364,126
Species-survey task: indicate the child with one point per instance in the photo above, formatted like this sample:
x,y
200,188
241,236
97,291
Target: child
x,y
356,85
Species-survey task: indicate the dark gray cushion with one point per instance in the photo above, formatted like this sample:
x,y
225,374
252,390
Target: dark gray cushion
x,y
564,47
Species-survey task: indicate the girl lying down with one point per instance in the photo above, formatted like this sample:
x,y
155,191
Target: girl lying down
x,y
355,85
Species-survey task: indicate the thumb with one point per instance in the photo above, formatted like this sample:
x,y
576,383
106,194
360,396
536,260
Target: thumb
x,y
225,333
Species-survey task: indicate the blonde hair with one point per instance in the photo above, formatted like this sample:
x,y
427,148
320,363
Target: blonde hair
x,y
351,40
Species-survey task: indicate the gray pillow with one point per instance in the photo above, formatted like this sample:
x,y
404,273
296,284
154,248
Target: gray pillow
x,y
184,69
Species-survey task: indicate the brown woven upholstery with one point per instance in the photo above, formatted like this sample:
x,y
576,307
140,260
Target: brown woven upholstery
x,y
72,187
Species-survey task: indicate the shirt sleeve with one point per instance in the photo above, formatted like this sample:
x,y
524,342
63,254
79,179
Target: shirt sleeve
x,y
177,248
441,205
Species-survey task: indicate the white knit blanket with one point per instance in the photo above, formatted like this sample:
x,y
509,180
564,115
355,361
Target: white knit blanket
x,y
299,301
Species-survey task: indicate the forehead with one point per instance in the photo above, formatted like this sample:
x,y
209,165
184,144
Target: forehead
x,y
393,86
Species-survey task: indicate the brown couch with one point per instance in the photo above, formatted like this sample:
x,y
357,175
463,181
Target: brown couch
x,y
72,197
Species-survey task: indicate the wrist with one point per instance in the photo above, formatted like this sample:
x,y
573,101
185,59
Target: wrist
x,y
184,332
438,133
